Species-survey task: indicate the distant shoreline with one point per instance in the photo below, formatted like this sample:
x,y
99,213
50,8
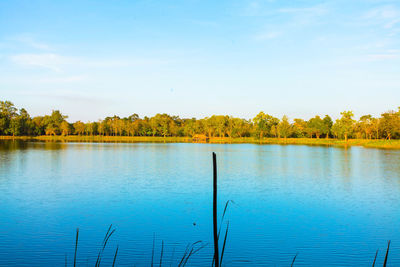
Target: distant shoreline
x,y
369,143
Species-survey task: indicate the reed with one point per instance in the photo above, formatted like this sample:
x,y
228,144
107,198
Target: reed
x,y
376,254
162,252
115,257
76,245
190,250
387,254
104,244
294,259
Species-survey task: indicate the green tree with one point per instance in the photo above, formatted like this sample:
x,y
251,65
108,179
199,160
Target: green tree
x,y
221,125
190,127
390,124
284,128
300,128
53,122
316,126
210,126
79,128
38,125
263,124
344,126
327,126
51,129
240,127
65,128
7,113
15,126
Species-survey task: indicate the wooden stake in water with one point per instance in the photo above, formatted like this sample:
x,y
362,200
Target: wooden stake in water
x,y
216,256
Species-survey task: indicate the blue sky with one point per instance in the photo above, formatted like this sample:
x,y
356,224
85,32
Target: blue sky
x,y
92,59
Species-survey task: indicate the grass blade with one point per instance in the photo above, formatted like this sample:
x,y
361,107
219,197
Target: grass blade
x,y
376,254
294,259
105,240
105,243
76,245
162,251
115,257
184,256
387,254
105,237
193,251
223,246
223,216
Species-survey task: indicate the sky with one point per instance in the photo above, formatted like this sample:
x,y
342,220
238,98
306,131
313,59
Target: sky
x,y
92,59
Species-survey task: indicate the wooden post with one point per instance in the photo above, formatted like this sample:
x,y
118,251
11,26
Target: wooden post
x,y
216,251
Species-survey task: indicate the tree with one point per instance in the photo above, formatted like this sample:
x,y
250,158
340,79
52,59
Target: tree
x,y
53,122
316,126
38,125
264,123
261,123
65,128
7,109
284,127
327,126
189,127
153,122
344,126
221,124
390,124
133,117
300,128
240,127
79,127
51,129
91,128
210,126
15,126
7,113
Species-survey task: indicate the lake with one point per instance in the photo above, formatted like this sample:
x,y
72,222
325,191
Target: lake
x,y
332,206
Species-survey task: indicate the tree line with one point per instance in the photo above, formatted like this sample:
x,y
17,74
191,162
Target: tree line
x,y
14,122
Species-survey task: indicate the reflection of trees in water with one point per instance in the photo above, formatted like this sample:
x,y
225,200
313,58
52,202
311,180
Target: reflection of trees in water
x,y
12,145
304,163
13,152
390,170
346,161
8,151
345,167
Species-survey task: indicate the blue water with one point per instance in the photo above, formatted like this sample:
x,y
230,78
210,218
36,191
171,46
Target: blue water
x,y
332,206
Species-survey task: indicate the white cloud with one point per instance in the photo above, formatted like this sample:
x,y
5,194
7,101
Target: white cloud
x,y
287,19
387,16
45,60
66,79
59,63
318,10
267,35
29,41
388,55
